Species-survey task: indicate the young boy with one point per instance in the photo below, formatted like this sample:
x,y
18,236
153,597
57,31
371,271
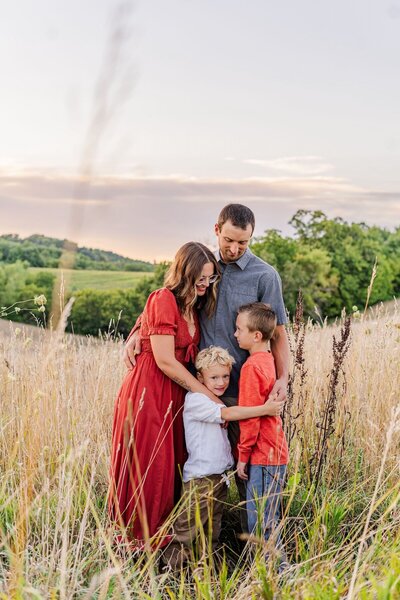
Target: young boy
x,y
262,448
209,453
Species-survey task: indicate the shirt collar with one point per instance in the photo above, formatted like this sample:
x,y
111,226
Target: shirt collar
x,y
241,263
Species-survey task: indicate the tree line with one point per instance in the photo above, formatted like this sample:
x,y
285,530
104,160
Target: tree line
x,y
330,260
43,251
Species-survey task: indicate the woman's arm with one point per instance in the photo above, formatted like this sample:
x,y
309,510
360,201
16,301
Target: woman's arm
x,y
236,413
163,347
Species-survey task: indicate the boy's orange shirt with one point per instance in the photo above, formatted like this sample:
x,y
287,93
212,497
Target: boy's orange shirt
x,y
262,440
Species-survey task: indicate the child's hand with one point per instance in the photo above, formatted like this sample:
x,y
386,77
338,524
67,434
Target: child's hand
x,y
241,470
273,408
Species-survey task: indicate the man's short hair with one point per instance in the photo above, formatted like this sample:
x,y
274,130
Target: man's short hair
x,y
239,215
260,317
212,356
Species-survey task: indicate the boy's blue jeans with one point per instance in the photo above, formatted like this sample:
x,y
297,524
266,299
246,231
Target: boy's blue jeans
x,y
264,494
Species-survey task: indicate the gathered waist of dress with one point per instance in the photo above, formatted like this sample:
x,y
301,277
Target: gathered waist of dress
x,y
184,355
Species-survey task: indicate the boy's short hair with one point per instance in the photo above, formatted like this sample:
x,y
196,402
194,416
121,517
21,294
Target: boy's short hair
x,y
261,318
211,356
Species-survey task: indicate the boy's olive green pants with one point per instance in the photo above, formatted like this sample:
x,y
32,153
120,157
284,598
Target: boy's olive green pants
x,y
204,500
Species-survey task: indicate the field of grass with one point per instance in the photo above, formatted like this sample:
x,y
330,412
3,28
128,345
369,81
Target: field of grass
x,y
97,280
342,502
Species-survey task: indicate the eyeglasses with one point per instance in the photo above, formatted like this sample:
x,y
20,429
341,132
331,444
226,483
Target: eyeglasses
x,y
211,279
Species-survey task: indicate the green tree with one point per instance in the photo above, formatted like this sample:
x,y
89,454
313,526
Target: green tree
x,y
18,287
12,282
97,311
310,271
275,249
103,311
332,261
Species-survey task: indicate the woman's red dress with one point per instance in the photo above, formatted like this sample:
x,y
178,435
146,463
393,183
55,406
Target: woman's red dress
x,y
148,444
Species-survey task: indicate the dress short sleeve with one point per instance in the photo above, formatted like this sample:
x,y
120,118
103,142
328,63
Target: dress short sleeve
x,y
161,313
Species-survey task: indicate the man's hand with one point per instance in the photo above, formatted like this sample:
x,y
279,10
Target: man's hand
x,y
131,349
279,391
273,408
241,470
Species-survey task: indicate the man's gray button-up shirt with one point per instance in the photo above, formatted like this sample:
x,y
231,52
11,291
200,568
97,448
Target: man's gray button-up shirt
x,y
248,279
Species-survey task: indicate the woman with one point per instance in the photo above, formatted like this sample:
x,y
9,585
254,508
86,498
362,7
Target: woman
x,y
148,449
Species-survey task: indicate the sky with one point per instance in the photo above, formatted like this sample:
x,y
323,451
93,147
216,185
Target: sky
x,y
128,125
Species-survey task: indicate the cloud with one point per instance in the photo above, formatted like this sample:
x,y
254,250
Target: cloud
x,y
150,217
295,165
118,190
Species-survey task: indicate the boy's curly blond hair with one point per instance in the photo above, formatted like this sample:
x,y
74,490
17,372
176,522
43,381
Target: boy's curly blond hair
x,y
211,356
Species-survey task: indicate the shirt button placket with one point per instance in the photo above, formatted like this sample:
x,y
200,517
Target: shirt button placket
x,y
220,324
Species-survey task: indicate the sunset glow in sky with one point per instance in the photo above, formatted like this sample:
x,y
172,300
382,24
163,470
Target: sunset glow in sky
x,y
127,126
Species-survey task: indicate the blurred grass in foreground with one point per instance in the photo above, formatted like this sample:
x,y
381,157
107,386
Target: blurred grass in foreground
x,y
342,535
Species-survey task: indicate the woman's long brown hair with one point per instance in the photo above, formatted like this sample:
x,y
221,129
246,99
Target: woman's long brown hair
x,y
182,275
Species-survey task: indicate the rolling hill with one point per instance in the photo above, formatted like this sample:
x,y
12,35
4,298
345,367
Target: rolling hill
x,y
42,251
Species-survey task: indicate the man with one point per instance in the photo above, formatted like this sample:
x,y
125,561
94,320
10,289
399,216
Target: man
x,y
245,278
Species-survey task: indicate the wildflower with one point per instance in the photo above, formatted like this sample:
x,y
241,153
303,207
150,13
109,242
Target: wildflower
x,y
17,309
354,308
40,300
41,308
27,342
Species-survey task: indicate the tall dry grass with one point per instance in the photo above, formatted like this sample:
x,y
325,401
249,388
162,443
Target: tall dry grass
x,y
342,532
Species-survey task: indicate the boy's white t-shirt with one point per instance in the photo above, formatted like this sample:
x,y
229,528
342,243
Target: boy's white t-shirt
x,y
207,442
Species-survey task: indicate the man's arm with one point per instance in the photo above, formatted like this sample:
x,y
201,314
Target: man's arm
x,y
281,354
270,292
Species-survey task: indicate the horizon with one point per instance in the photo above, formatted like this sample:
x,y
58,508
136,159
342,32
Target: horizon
x,y
212,246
